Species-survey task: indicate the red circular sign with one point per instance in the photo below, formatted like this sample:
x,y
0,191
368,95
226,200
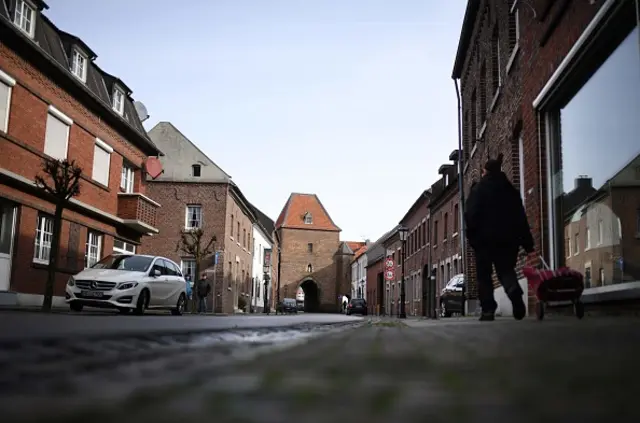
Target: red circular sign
x,y
153,167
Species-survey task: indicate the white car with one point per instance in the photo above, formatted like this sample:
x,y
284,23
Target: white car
x,y
129,282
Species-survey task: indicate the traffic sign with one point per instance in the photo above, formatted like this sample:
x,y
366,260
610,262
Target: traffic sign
x,y
388,263
389,275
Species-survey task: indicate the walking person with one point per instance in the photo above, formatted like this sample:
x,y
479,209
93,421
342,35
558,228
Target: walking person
x,y
497,227
204,289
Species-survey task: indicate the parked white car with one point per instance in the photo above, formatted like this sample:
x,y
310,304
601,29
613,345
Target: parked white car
x,y
129,282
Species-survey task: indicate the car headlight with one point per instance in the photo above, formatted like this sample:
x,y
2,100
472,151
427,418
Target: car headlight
x,y
127,285
71,282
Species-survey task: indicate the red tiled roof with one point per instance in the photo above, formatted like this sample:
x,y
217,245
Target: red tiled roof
x,y
297,206
360,252
355,245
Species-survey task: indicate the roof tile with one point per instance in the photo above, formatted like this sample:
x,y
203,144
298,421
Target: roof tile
x,y
297,206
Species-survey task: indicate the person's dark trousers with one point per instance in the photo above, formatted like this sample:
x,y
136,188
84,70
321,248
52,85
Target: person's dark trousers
x,y
202,305
504,259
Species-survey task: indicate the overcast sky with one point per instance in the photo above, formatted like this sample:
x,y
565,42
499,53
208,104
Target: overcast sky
x,y
349,99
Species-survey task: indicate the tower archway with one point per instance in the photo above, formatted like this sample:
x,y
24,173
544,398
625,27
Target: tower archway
x,y
311,296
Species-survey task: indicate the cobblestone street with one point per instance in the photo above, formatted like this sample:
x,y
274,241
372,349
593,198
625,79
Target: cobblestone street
x,y
382,371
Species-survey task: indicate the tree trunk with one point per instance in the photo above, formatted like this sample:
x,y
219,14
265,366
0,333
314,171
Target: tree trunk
x,y
53,259
196,282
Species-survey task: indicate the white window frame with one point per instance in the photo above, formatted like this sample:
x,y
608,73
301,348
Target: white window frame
x,y
186,263
80,74
521,165
22,6
588,238
10,83
94,241
124,250
600,231
101,145
43,239
516,14
308,219
187,214
64,119
118,107
127,177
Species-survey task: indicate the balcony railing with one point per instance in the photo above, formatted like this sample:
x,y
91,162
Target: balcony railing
x,y
138,211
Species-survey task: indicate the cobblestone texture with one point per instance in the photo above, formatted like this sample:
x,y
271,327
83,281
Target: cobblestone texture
x,y
383,371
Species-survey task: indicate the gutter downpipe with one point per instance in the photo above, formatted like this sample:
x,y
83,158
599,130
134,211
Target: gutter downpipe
x,y
463,231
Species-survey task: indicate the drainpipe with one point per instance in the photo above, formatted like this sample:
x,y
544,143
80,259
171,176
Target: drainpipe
x,y
463,232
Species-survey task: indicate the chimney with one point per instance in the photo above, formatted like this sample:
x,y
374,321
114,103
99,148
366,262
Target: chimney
x,y
583,182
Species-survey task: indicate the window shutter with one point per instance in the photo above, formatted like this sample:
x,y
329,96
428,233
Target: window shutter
x,y
5,92
56,138
101,161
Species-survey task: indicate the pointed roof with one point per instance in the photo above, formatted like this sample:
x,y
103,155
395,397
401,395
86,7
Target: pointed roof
x,y
298,206
355,245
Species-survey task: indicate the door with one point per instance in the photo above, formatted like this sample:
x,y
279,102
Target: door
x,y
158,284
7,230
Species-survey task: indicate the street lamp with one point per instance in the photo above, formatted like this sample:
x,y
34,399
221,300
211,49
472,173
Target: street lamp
x,y
402,232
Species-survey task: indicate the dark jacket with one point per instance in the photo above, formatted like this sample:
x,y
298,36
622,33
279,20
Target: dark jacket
x,y
495,214
204,289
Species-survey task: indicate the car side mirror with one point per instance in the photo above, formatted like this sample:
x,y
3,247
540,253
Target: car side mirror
x,y
156,272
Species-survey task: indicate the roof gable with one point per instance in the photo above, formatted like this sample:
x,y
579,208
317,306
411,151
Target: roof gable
x,y
181,154
298,206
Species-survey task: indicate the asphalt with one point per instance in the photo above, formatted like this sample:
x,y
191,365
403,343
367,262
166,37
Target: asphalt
x,y
451,370
17,326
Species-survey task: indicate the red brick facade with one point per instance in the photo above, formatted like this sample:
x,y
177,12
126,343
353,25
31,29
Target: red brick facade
x,y
375,289
98,208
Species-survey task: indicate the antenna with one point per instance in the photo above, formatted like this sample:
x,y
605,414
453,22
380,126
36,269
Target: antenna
x,y
141,109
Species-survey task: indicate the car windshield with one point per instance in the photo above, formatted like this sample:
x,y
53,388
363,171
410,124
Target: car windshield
x,y
124,262
357,302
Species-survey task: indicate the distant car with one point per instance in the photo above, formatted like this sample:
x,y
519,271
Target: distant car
x,y
452,297
357,306
129,282
287,305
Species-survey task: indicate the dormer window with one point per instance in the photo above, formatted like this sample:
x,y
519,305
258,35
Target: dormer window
x,y
79,65
196,170
24,17
308,219
118,100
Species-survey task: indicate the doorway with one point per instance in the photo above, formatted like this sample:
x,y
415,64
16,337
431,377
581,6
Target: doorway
x,y
7,232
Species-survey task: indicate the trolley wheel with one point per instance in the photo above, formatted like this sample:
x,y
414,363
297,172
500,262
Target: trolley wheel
x,y
540,310
578,308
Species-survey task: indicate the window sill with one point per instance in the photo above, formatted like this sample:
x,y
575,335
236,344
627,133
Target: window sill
x,y
494,101
41,265
512,58
454,235
468,161
483,129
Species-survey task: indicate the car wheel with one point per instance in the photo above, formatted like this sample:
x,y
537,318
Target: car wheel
x,y
124,310
143,302
75,306
179,306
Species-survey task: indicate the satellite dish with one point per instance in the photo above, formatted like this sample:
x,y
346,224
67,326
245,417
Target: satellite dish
x,y
141,109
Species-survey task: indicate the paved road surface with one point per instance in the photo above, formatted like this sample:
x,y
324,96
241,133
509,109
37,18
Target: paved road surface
x,y
559,370
24,325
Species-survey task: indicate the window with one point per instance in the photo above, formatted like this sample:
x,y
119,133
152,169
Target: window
x,y
514,33
587,277
126,179
602,277
123,247
193,218
231,229
118,100
188,267
496,80
25,17
56,138
310,247
93,249
79,65
484,106
6,85
446,226
521,167
594,146
101,162
435,233
456,218
576,244
238,232
44,235
195,170
309,268
588,239
308,219
425,229
474,119
244,237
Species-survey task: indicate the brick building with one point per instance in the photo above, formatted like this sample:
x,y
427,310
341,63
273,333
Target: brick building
x,y
417,221
312,255
444,213
525,68
375,279
393,250
57,103
196,193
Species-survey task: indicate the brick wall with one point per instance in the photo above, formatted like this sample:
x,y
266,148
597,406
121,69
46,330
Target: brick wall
x,y
417,255
373,293
296,258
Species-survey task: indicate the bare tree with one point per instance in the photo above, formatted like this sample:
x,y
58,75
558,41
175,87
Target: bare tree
x,y
61,180
192,243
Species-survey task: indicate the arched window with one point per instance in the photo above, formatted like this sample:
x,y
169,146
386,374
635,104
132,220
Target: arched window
x,y
309,268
